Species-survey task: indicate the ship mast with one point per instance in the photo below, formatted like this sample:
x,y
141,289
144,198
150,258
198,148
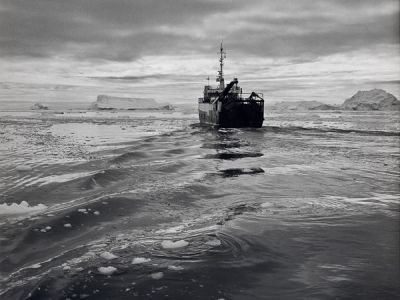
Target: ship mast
x,y
220,77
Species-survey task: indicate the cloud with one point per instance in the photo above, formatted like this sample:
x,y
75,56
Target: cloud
x,y
115,30
308,47
123,30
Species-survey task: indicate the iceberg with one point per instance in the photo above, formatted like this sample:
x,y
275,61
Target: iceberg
x,y
375,99
105,102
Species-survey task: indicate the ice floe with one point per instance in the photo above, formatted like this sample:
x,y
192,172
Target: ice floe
x,y
175,268
22,208
35,266
174,229
108,255
107,270
140,260
68,225
214,242
174,245
157,275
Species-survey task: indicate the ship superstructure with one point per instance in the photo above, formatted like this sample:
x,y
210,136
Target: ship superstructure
x,y
227,106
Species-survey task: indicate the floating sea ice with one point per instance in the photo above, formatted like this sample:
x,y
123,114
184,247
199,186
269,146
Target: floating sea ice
x,y
48,228
175,268
68,225
107,270
35,266
108,255
157,275
23,168
214,242
266,204
174,245
96,213
174,229
21,208
140,260
82,210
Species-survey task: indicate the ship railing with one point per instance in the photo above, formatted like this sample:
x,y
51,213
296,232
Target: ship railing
x,y
251,102
247,95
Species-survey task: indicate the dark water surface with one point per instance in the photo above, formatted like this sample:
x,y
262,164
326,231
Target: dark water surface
x,y
304,209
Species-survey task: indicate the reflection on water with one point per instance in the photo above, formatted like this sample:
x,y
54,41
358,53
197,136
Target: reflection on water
x,y
163,209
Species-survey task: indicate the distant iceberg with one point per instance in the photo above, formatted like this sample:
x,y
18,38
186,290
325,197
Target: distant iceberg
x,y
39,106
375,99
105,102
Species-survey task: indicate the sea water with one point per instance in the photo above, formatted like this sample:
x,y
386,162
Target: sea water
x,y
150,205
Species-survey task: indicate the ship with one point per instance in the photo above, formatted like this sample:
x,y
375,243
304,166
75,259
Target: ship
x,y
227,106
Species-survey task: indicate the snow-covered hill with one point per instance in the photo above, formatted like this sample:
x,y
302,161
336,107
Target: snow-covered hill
x,y
375,99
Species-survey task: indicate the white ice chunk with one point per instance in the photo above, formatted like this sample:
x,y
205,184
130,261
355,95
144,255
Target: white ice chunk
x,y
108,255
214,242
157,275
68,225
22,208
96,213
175,268
174,245
174,229
107,270
140,260
266,204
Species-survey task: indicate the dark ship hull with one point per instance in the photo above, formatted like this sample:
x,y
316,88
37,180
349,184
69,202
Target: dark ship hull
x,y
235,114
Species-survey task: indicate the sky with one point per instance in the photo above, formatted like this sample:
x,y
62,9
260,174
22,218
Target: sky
x,y
290,50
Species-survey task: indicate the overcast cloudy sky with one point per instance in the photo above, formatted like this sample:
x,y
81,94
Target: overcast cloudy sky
x,y
70,50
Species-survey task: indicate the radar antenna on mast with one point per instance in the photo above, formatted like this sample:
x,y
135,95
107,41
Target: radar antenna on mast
x,y
220,77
